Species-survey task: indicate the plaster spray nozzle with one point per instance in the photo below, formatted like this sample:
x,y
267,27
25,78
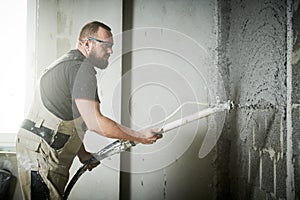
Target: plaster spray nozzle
x,y
231,105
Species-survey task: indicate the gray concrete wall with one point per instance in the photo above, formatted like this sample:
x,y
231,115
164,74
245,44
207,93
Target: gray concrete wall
x,y
255,60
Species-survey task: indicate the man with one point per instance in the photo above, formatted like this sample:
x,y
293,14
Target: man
x,y
65,102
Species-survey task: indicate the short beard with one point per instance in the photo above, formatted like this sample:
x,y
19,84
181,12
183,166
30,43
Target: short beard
x,y
97,62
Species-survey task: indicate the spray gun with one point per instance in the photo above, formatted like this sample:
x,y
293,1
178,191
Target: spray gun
x,y
119,146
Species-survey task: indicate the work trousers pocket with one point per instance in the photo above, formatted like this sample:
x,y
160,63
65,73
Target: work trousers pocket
x,y
28,146
57,174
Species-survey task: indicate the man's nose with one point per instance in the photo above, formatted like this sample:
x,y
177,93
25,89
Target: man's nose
x,y
109,50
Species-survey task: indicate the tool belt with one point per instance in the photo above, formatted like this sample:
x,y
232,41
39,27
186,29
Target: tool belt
x,y
55,139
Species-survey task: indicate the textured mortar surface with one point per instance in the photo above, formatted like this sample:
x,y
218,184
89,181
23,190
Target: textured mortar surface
x,y
256,59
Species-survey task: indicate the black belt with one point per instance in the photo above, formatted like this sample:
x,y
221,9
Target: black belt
x,y
55,140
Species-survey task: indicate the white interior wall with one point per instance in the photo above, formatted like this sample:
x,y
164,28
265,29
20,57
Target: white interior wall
x,y
172,56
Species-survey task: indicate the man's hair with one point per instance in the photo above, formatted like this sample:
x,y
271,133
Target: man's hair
x,y
90,29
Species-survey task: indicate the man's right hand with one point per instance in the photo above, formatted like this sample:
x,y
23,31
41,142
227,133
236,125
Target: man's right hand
x,y
149,136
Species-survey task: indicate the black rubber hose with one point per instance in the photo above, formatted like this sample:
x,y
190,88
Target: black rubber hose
x,y
74,179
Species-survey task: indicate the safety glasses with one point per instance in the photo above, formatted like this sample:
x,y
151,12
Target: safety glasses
x,y
106,44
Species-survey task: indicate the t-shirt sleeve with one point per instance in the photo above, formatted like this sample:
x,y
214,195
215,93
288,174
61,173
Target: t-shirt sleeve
x,y
85,83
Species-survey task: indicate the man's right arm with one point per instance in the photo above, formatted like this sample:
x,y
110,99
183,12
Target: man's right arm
x,y
95,121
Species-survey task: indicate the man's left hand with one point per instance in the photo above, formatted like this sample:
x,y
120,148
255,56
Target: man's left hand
x,y
84,156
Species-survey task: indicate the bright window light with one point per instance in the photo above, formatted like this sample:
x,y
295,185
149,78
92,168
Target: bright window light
x,y
12,76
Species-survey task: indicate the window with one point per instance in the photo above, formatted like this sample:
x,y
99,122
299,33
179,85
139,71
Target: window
x,y
12,76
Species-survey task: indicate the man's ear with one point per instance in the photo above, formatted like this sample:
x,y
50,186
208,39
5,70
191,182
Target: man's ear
x,y
87,45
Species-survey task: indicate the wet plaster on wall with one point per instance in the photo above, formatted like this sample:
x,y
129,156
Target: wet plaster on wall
x,y
296,95
256,59
222,25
